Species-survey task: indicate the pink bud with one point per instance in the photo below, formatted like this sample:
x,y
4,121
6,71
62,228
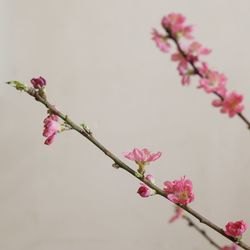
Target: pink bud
x,y
144,191
38,82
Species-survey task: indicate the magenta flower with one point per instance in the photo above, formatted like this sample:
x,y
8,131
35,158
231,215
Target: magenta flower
x,y
179,191
160,41
232,247
51,127
175,24
38,83
236,229
230,104
178,214
144,191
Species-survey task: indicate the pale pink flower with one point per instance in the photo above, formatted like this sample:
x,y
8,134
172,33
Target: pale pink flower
x,y
213,81
230,104
197,49
178,214
236,229
38,83
160,41
232,247
179,191
142,156
183,68
175,24
177,57
194,50
51,127
185,73
144,191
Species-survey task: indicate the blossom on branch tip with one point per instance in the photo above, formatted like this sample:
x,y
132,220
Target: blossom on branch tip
x,y
236,229
179,191
142,157
174,23
38,83
160,41
232,247
231,104
144,191
51,128
178,214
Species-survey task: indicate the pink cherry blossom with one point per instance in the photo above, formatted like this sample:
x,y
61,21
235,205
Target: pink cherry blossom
x,y
212,81
142,156
197,49
194,50
160,41
175,24
236,229
144,191
179,191
51,127
232,247
185,72
178,214
231,104
38,83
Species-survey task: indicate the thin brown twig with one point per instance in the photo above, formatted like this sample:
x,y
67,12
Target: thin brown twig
x,y
201,231
121,164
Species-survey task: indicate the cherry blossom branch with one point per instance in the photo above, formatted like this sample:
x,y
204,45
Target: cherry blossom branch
x,y
189,64
39,96
196,71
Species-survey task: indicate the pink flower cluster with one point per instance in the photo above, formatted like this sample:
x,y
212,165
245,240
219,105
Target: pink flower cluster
x,y
236,229
38,82
179,191
189,64
144,191
51,128
142,156
232,247
175,24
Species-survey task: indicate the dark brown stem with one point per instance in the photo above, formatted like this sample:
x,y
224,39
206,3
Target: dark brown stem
x,y
121,164
201,231
197,72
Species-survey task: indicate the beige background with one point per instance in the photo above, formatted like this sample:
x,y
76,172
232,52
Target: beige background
x,y
103,68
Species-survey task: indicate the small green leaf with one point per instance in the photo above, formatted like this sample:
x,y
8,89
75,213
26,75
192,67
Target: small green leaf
x,y
18,85
138,175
